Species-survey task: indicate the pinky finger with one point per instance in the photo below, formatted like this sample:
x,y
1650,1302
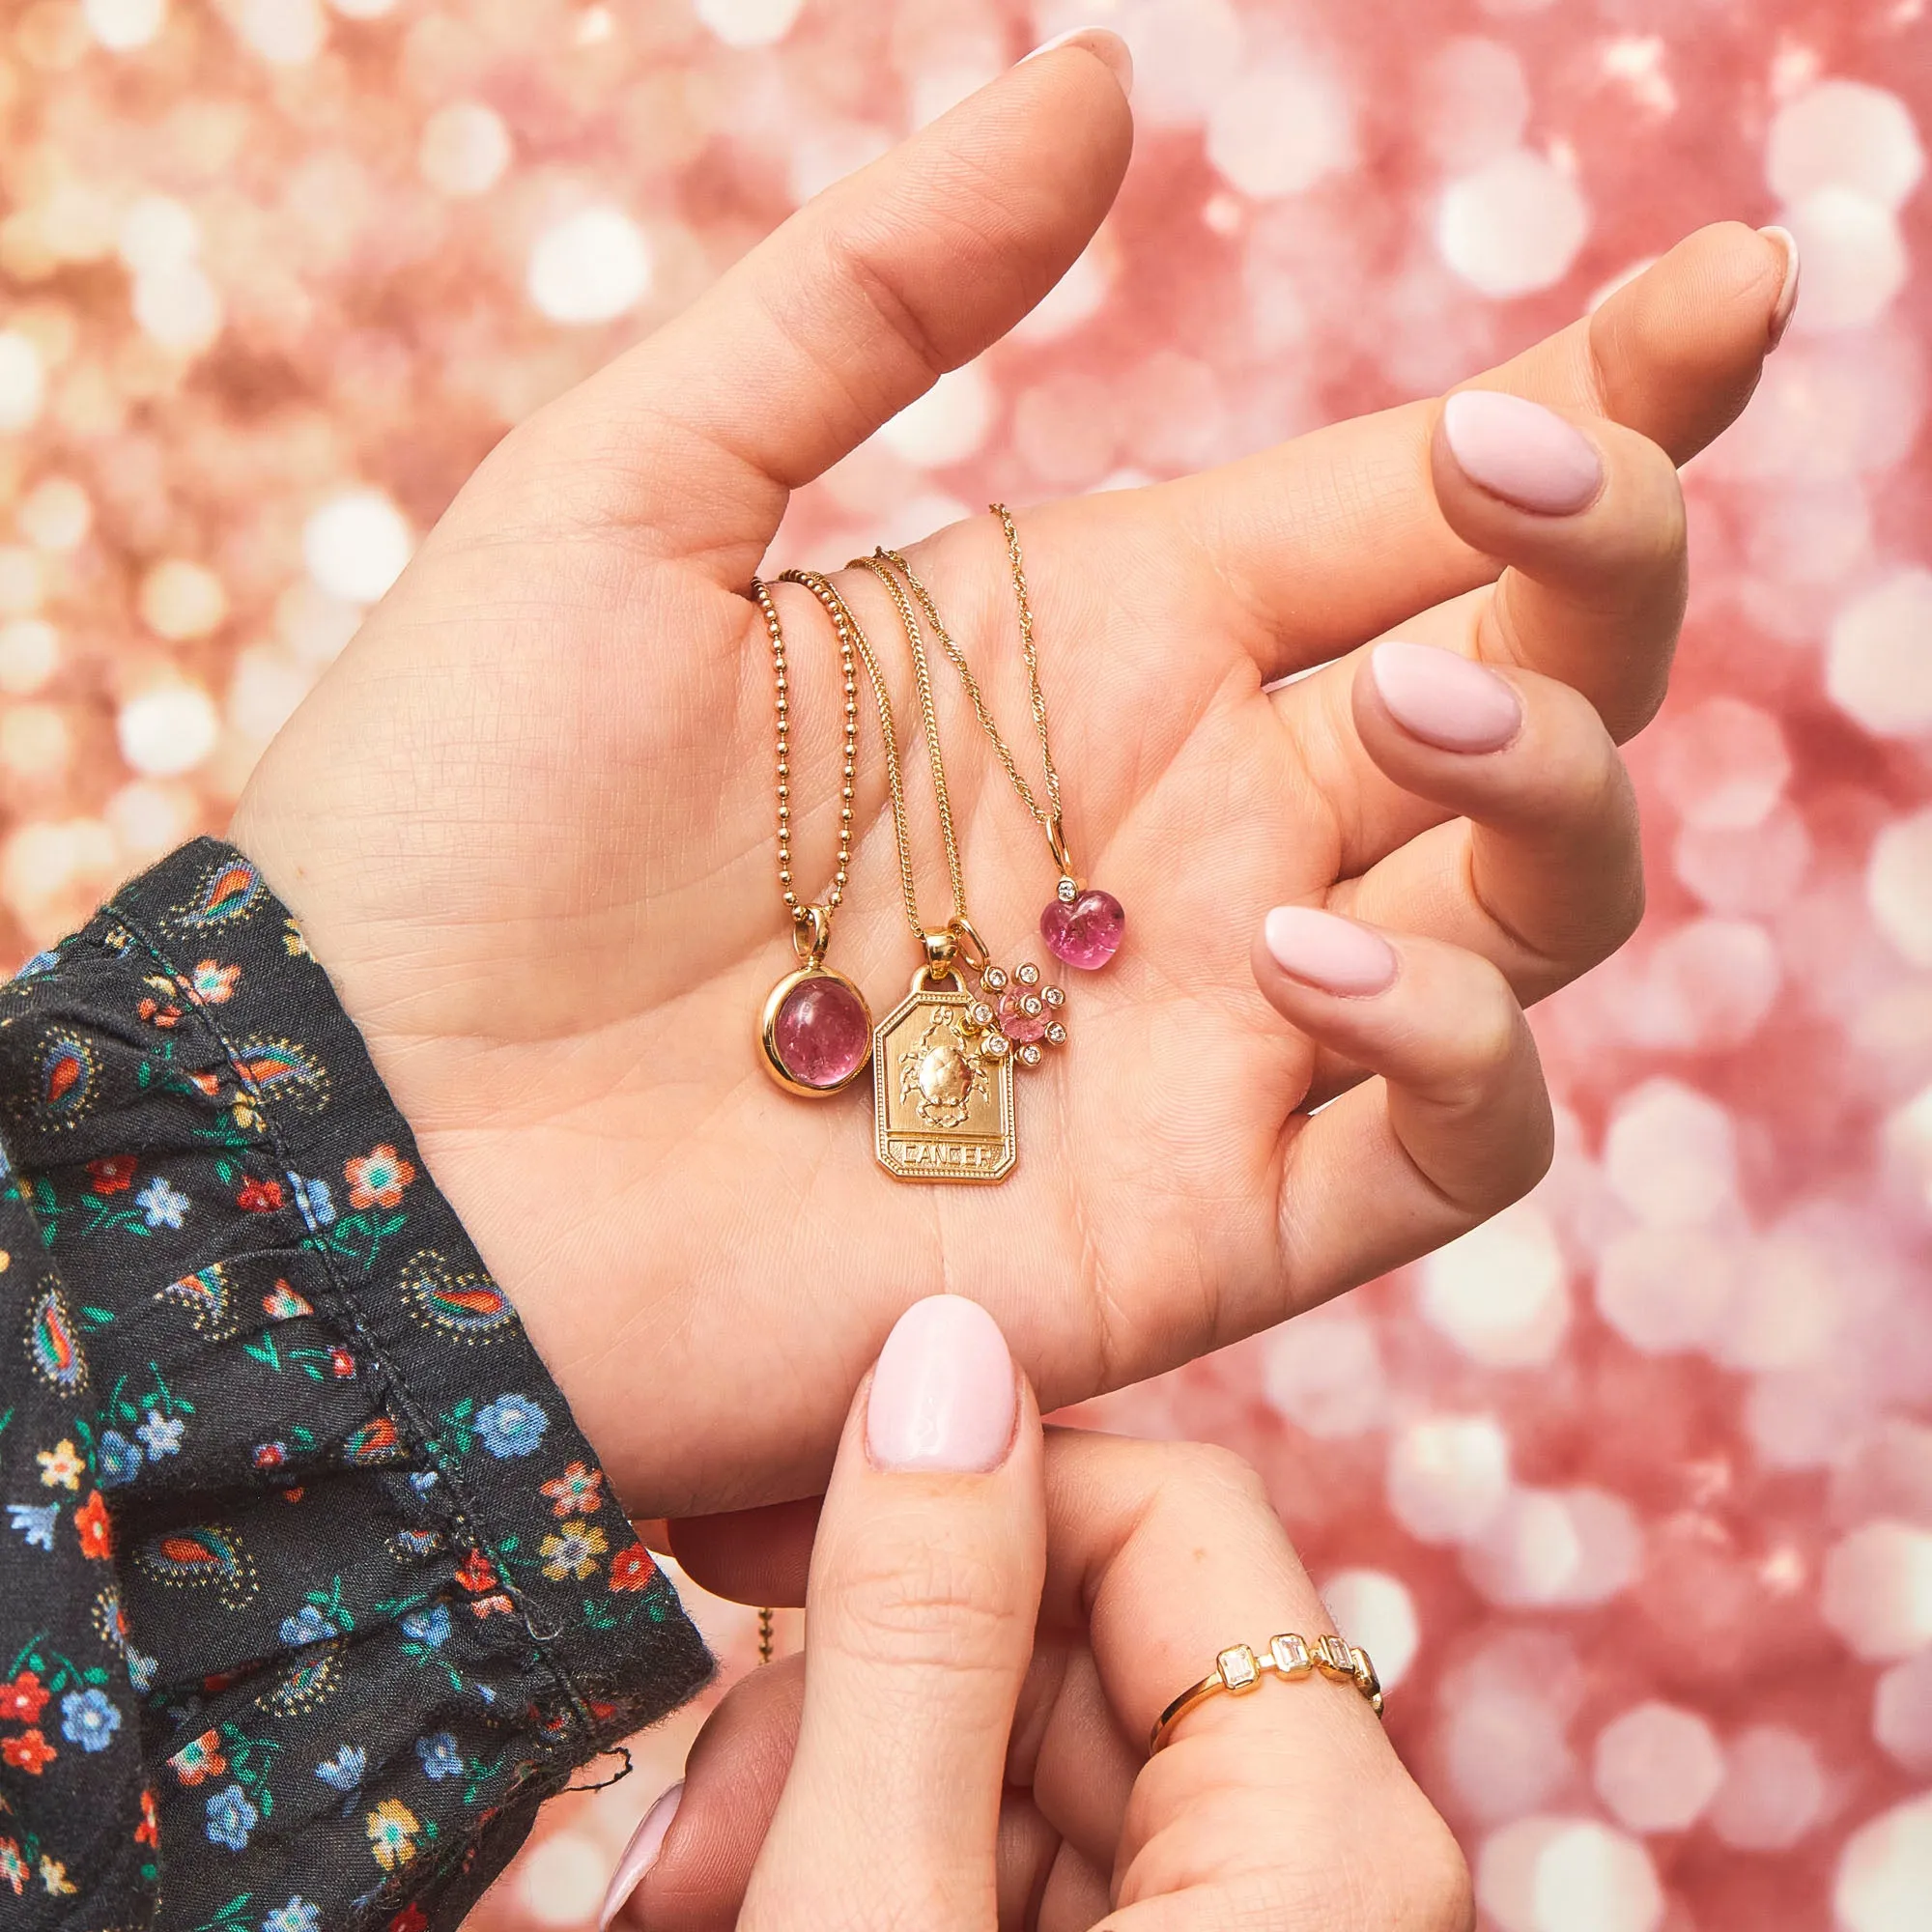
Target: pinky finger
x,y
1457,1126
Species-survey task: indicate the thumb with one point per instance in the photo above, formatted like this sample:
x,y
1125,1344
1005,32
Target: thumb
x,y
691,442
920,1615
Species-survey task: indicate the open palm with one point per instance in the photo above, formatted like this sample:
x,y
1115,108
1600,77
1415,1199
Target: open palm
x,y
528,823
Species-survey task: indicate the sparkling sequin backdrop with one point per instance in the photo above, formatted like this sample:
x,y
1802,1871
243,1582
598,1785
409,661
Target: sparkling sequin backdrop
x,y
1630,1493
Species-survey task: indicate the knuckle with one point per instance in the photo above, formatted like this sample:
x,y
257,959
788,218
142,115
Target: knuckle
x,y
1661,523
1415,1877
1594,816
1624,901
1197,1470
926,1601
1437,1894
1646,532
854,259
1490,1028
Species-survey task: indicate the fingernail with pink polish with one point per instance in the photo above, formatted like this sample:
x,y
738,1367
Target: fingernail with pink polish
x,y
943,1394
1333,954
641,1854
1444,698
1522,452
1102,43
1787,295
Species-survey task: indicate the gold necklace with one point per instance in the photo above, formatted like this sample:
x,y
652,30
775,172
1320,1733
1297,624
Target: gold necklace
x,y
1082,924
816,1029
1015,1008
943,1059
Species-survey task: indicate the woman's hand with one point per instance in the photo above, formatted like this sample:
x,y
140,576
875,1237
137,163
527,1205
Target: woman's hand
x,y
993,1623
529,820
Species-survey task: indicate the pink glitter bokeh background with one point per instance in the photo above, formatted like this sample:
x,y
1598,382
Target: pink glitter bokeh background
x,y
1630,1492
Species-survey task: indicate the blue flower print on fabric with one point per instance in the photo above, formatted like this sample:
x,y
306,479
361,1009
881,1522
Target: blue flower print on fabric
x,y
162,1206
89,1719
116,1459
231,1818
429,1628
313,1198
35,1522
296,1916
309,1625
512,1425
344,1770
439,1756
161,1435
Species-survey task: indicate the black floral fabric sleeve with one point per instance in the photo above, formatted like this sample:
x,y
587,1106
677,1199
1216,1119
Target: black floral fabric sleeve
x,y
310,1589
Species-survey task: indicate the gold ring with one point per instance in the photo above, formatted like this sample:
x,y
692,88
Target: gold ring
x,y
1238,1670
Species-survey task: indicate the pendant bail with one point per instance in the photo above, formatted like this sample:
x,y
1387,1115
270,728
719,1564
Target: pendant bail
x,y
1056,844
942,948
811,934
970,948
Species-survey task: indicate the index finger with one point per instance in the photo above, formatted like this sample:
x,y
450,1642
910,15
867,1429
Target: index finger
x,y
1335,537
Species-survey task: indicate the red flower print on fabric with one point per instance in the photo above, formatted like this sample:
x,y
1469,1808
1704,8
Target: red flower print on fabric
x,y
96,1534
633,1568
22,1701
199,1758
376,1441
476,1573
149,1831
30,1752
259,1197
378,1177
284,1304
112,1173
578,1490
213,983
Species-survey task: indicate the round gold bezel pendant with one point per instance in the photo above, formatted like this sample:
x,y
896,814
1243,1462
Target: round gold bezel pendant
x,y
768,1029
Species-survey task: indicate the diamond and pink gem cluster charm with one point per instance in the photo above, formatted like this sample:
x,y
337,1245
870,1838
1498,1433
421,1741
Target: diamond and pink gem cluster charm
x,y
1018,1016
1083,925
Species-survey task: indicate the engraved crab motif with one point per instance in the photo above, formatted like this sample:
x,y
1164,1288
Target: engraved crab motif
x,y
939,1072
1017,1013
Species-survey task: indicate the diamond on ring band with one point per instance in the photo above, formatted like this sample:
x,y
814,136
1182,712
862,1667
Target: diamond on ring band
x,y
1239,1671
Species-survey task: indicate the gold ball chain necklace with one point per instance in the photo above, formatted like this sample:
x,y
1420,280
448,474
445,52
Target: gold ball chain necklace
x,y
944,1059
816,1029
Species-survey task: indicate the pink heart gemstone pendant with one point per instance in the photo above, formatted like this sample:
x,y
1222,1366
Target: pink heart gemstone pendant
x,y
1083,928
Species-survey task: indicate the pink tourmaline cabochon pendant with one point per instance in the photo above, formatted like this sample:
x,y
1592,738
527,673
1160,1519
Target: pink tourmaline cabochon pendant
x,y
1083,926
817,1032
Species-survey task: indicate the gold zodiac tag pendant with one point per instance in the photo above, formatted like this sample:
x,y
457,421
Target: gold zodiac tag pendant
x,y
944,1105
